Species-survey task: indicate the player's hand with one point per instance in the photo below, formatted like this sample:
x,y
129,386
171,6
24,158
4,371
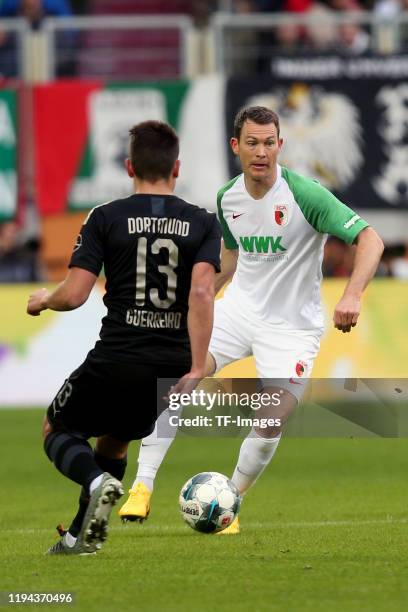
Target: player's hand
x,y
37,301
346,313
186,384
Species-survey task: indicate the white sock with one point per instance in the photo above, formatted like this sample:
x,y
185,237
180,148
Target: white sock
x,y
153,449
95,483
254,455
69,539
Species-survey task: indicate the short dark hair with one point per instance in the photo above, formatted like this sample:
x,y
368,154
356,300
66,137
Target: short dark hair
x,y
154,148
257,114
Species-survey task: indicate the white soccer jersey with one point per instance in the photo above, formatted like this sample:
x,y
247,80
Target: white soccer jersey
x,y
280,240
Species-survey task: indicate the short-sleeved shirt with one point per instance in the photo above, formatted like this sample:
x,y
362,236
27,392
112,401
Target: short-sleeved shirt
x,y
148,246
281,238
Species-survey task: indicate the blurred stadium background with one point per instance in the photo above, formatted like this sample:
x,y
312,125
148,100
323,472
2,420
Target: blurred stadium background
x,y
75,75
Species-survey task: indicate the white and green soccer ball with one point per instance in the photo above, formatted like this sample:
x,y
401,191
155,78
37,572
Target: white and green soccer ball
x,y
209,502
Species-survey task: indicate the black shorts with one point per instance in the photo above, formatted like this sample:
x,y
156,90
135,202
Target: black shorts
x,y
119,399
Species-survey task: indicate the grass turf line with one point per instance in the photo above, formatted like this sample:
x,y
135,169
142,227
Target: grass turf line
x,y
323,529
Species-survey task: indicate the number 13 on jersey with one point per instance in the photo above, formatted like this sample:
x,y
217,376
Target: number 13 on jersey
x,y
167,269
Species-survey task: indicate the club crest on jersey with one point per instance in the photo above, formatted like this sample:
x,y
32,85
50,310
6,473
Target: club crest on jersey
x,y
300,368
281,214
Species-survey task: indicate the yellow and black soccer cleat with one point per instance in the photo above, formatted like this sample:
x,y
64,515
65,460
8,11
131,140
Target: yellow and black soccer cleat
x,y
137,507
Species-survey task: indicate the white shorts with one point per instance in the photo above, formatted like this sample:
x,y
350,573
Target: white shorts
x,y
285,356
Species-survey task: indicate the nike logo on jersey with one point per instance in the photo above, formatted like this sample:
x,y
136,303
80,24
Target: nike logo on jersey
x,y
235,216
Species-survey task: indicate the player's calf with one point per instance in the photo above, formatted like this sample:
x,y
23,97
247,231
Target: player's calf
x,y
72,456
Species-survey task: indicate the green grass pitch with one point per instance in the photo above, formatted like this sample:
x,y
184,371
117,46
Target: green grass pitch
x,y
324,529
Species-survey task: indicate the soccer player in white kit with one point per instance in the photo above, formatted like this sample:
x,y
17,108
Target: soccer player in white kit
x,y
275,224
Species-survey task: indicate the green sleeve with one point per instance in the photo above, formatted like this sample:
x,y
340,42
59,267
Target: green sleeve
x,y
229,240
325,213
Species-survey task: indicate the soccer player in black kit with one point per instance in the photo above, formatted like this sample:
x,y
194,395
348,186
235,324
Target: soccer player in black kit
x,y
160,255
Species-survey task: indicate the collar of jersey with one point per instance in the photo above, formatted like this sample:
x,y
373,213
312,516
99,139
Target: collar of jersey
x,y
270,191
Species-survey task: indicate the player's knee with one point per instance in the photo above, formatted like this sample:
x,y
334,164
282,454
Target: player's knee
x,y
111,448
268,432
210,365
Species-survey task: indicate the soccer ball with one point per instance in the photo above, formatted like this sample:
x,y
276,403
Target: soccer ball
x,y
209,502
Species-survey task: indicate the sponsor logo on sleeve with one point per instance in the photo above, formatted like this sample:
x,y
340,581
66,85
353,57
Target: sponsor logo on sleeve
x,y
351,222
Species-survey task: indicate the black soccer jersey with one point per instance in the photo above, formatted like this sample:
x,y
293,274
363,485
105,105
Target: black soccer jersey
x,y
148,246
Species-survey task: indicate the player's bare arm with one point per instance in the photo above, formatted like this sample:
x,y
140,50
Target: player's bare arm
x,y
200,324
200,314
70,294
229,260
368,253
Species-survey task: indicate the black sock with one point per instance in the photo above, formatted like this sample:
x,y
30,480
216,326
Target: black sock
x,y
76,524
73,457
115,467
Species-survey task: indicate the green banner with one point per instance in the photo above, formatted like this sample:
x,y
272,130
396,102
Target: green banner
x,y
8,154
111,111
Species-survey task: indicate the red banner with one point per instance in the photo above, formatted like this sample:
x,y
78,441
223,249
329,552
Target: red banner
x,y
60,135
